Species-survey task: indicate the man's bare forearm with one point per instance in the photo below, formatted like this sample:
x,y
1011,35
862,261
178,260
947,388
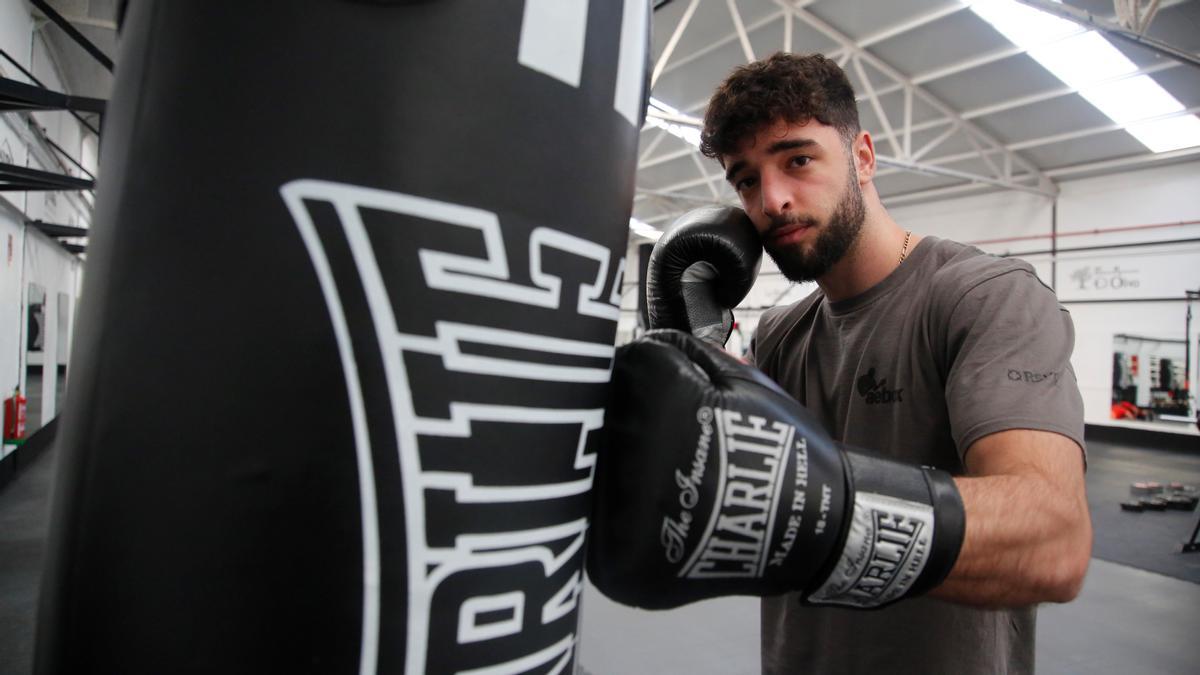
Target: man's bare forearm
x,y
1028,533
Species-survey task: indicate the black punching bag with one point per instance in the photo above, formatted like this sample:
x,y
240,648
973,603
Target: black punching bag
x,y
344,338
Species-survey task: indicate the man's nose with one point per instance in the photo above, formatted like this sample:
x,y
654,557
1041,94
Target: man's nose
x,y
776,198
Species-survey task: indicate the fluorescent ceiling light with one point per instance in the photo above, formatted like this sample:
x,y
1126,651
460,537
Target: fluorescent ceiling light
x,y
690,135
1090,64
660,114
1163,135
644,229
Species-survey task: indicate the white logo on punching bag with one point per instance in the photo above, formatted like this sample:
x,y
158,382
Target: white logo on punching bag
x,y
553,36
549,546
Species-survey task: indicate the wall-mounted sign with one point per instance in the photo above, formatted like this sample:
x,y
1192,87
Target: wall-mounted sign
x,y
1129,275
1101,278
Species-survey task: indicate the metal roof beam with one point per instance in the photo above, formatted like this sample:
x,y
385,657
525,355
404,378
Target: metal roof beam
x,y
684,60
667,157
1061,91
1059,173
1056,138
694,182
935,142
909,24
786,11
708,179
73,33
1126,162
968,128
1088,20
651,147
842,56
789,23
1103,128
667,51
934,193
883,119
1015,183
642,193
955,68
917,167
1022,101
990,57
740,29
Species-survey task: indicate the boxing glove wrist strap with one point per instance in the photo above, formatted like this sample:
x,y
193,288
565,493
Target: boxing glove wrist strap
x,y
902,534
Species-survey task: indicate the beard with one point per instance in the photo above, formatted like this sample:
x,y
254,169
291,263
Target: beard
x,y
834,239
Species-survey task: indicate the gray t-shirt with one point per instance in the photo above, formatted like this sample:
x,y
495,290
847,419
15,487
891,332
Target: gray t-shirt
x,y
952,346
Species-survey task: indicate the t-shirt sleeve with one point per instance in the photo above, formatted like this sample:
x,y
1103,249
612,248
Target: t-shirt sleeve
x,y
748,357
755,353
1009,349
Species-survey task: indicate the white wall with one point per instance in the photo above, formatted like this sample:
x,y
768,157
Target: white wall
x,y
12,247
26,255
1119,205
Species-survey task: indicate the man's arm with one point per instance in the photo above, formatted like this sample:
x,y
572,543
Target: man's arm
x,y
1029,536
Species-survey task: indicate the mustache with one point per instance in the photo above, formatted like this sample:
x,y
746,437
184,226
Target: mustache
x,y
780,222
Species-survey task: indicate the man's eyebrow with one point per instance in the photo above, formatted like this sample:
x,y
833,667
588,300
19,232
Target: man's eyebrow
x,y
733,169
775,148
789,144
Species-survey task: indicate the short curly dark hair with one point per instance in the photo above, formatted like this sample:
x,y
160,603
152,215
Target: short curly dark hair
x,y
788,87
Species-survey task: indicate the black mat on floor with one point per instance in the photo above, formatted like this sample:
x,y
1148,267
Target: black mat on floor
x,y
1149,540
24,513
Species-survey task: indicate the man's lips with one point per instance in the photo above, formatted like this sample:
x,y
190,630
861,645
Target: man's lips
x,y
789,233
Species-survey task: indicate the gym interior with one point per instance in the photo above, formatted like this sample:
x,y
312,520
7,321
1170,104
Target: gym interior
x,y
1075,149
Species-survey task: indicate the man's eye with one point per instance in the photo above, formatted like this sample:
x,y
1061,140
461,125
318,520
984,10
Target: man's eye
x,y
801,160
743,184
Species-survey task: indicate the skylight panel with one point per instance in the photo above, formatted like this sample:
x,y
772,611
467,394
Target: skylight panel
x,y
644,229
1087,62
1132,99
1172,133
1082,59
1023,25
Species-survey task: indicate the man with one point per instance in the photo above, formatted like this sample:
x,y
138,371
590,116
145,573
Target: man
x,y
917,348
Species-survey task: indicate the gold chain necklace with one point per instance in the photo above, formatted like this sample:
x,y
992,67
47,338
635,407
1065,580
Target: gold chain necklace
x,y
904,251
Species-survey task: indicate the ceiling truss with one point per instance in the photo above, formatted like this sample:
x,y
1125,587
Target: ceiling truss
x,y
1004,166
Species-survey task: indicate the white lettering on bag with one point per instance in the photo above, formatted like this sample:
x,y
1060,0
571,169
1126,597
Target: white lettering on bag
x,y
438,563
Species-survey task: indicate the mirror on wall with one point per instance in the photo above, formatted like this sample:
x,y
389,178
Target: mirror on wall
x,y
35,342
1150,379
62,348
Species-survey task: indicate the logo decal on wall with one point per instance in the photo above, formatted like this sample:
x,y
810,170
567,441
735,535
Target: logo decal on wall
x,y
1098,278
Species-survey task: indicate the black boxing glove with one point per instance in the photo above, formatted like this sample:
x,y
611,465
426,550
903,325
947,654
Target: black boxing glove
x,y
700,270
712,481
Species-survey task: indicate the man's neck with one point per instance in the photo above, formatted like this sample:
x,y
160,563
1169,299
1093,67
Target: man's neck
x,y
874,256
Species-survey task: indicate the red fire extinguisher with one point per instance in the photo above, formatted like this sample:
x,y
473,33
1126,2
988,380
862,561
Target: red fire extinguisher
x,y
14,416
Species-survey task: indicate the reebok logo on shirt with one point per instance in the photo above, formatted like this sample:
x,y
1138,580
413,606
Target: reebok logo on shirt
x,y
876,391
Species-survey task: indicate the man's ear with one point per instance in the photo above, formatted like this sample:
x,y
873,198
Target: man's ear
x,y
863,150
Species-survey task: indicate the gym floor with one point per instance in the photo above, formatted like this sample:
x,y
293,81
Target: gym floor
x,y
1138,612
